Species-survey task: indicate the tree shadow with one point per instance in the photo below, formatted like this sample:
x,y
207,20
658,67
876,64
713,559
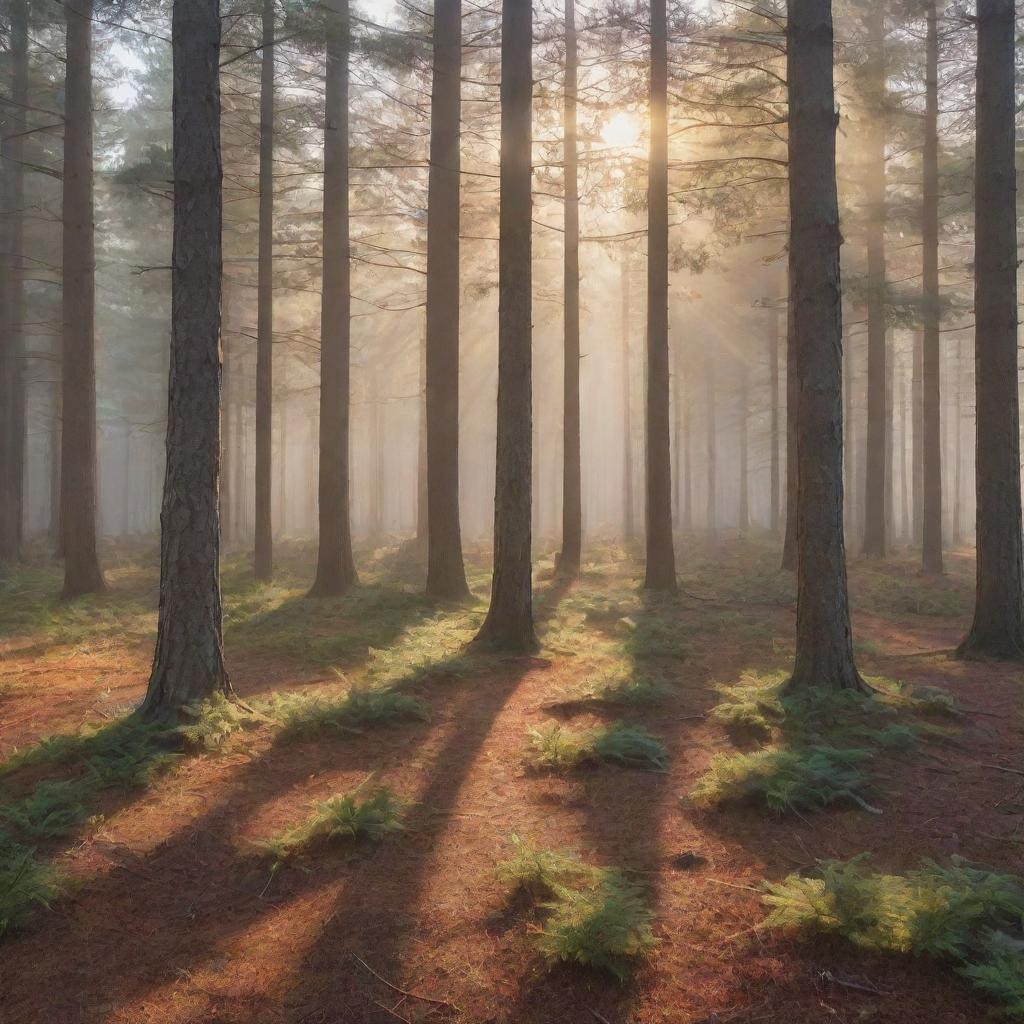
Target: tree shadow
x,y
180,920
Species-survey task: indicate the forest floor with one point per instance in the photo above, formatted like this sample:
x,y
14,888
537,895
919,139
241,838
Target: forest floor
x,y
172,912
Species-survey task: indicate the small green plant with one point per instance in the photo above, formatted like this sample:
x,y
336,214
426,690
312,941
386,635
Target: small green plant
x,y
591,916
304,713
753,706
607,927
618,686
51,810
654,638
210,723
563,749
344,816
971,916
798,779
25,885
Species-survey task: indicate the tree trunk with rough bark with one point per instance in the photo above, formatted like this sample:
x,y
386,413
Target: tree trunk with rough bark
x,y
12,341
742,412
263,555
877,496
509,622
446,573
789,550
572,498
188,664
710,387
775,469
82,573
931,396
335,570
660,571
628,527
998,627
824,645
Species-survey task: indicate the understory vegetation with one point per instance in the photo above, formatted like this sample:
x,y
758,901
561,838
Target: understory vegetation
x,y
345,816
970,916
562,749
816,746
589,915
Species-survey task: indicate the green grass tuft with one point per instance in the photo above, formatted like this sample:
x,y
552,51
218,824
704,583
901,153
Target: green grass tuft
x,y
305,713
344,816
564,749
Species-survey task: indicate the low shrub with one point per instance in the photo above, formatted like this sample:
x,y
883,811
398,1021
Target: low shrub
x,y
591,916
971,916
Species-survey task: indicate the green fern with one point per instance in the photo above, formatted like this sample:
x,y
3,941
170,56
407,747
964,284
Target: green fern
x,y
592,916
802,779
563,749
344,816
971,916
25,885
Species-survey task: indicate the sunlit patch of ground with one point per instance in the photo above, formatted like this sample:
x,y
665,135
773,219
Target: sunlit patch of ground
x,y
176,916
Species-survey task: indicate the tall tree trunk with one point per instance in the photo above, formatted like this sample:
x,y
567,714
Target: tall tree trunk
x,y
958,454
775,474
712,438
335,570
572,500
263,561
848,435
998,627
743,401
917,429
628,526
824,646
421,455
789,548
678,387
661,562
12,342
282,453
227,450
82,573
905,466
931,397
509,622
877,498
446,573
686,399
188,664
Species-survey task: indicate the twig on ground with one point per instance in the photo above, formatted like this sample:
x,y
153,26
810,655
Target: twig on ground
x,y
388,1010
404,992
1001,768
856,986
597,1016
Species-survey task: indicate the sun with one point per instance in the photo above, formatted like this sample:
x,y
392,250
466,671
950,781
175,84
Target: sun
x,y
622,130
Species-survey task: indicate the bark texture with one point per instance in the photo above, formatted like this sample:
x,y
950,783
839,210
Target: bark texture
x,y
12,300
789,549
824,646
877,502
509,622
572,493
931,397
263,553
998,627
188,664
446,574
335,568
82,573
660,573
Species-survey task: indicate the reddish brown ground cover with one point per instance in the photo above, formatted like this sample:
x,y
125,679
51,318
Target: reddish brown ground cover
x,y
176,919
